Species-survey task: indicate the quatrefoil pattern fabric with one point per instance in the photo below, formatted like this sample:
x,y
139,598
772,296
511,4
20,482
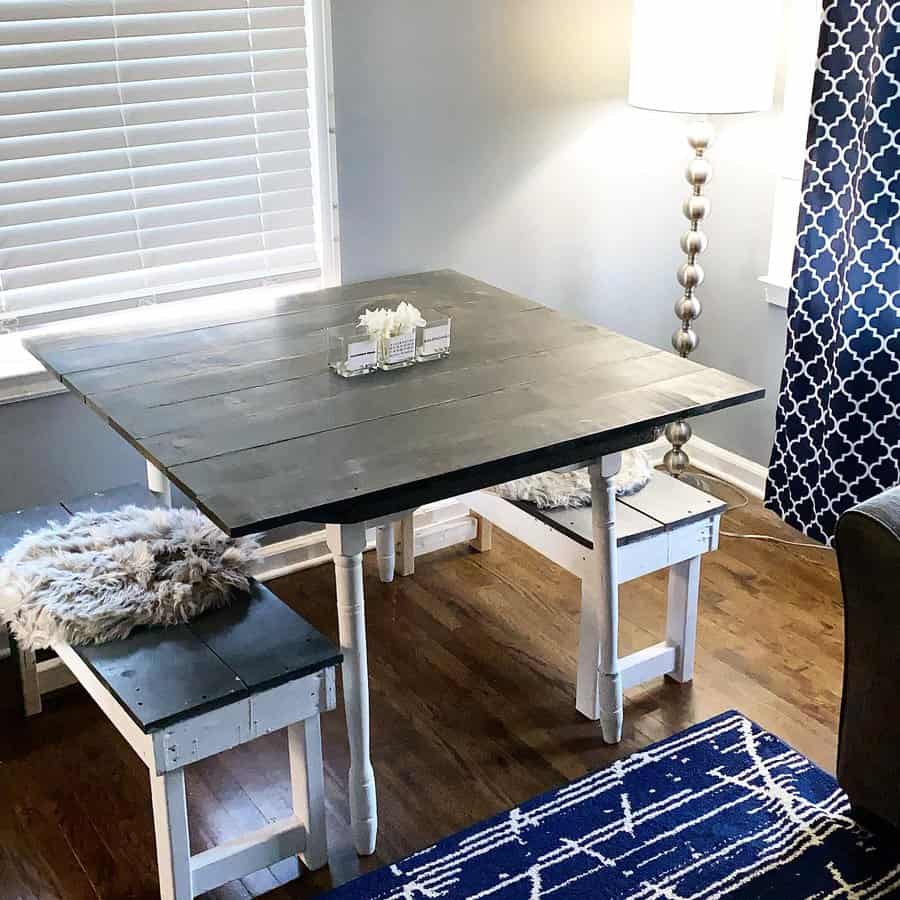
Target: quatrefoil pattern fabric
x,y
838,420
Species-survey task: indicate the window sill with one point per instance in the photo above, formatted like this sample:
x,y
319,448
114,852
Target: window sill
x,y
775,292
22,377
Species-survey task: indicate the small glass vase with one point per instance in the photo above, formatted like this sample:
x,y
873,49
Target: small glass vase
x,y
433,338
351,351
397,352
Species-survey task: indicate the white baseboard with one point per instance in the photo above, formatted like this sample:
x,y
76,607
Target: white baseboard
x,y
743,473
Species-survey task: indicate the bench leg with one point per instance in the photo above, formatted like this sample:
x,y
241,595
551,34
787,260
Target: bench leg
x,y
308,788
386,551
408,544
599,684
173,848
484,536
681,619
346,543
159,484
27,675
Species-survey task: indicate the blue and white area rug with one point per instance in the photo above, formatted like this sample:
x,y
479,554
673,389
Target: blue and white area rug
x,y
722,809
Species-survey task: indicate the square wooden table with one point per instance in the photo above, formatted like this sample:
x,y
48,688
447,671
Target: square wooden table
x,y
235,404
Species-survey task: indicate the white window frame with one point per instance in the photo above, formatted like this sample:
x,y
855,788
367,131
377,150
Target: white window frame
x,y
802,48
324,141
22,377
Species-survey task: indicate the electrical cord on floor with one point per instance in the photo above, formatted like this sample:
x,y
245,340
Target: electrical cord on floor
x,y
756,537
773,539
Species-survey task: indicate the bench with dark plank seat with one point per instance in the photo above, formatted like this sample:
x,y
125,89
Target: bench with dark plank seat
x,y
42,673
187,692
666,525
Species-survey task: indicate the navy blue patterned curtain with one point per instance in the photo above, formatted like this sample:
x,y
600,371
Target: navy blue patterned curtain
x,y
837,438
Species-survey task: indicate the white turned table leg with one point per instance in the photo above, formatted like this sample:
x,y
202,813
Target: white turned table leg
x,y
159,484
346,543
599,685
170,822
386,551
681,619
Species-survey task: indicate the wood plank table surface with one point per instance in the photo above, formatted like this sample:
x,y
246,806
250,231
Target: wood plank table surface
x,y
240,410
234,403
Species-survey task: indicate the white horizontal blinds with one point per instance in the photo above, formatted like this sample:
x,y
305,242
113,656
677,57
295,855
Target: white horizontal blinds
x,y
148,146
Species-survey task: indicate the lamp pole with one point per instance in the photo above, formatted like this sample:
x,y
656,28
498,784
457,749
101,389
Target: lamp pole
x,y
690,277
739,41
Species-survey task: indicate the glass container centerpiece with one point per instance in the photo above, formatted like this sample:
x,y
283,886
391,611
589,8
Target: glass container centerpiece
x,y
433,336
351,351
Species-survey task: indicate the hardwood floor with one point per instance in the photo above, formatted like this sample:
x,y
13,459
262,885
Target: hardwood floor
x,y
473,670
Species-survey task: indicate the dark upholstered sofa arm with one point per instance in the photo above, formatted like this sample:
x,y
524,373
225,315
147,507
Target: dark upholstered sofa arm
x,y
868,550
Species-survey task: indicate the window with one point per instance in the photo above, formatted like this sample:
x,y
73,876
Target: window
x,y
153,148
802,48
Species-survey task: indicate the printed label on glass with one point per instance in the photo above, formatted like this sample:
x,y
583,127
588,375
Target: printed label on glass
x,y
361,354
401,348
435,339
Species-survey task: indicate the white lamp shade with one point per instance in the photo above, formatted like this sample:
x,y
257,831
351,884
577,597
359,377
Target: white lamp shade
x,y
704,56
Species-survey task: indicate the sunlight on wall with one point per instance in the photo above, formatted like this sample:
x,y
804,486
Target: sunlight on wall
x,y
594,224
569,51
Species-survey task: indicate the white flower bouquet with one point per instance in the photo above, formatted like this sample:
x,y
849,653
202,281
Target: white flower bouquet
x,y
395,331
387,323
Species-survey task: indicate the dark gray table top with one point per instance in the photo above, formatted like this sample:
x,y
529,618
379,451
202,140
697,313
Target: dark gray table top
x,y
237,405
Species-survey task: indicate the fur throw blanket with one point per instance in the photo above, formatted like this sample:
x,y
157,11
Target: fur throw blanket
x,y
551,490
98,576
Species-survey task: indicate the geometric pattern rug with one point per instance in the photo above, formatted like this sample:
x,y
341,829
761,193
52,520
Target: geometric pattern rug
x,y
723,809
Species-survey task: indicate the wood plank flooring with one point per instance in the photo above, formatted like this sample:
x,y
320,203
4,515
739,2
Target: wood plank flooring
x,y
473,672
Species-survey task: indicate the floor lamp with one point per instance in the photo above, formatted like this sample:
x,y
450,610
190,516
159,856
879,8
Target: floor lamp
x,y
700,58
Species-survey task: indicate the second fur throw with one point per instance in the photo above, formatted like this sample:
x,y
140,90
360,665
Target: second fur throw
x,y
551,490
98,576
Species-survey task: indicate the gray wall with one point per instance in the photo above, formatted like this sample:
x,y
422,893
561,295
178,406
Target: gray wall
x,y
491,136
54,447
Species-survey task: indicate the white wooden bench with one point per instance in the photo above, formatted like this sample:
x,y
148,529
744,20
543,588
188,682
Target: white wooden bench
x,y
181,694
667,525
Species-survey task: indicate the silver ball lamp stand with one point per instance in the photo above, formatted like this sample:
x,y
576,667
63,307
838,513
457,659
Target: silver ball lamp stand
x,y
690,277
